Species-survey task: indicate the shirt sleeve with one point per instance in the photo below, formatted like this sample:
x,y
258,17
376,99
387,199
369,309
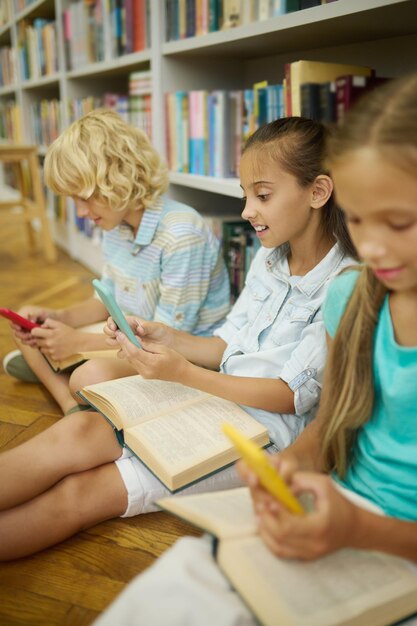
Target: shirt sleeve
x,y
337,297
186,270
303,372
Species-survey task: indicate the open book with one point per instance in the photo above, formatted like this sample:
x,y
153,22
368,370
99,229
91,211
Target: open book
x,y
80,357
346,588
175,430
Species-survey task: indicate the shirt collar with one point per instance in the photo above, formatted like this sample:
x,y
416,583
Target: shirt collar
x,y
147,227
276,261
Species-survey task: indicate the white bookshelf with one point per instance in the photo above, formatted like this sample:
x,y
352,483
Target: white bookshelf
x,y
379,33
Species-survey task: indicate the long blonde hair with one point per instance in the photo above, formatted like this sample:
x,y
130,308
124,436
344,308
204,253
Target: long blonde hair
x,y
100,156
385,120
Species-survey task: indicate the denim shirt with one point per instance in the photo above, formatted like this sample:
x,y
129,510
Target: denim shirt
x,y
276,330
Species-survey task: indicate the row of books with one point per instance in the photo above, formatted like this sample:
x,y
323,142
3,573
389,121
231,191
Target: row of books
x,y
84,29
136,110
192,18
37,48
46,121
7,66
239,245
10,121
206,130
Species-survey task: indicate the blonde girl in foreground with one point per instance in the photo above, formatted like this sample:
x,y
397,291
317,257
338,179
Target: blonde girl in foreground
x,y
365,434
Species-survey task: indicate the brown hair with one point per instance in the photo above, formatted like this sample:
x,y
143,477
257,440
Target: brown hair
x,y
386,120
298,144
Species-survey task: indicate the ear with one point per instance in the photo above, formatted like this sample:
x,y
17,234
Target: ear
x,y
321,191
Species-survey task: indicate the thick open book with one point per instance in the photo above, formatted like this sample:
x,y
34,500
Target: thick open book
x,y
346,588
175,430
80,357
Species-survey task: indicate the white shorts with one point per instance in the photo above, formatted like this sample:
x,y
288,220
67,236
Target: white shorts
x,y
144,489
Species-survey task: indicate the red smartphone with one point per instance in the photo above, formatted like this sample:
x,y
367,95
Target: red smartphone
x,y
18,319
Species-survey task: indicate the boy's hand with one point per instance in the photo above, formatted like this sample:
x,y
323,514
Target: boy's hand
x,y
327,528
57,340
154,361
36,314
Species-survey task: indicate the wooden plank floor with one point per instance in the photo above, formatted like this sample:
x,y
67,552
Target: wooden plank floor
x,y
70,584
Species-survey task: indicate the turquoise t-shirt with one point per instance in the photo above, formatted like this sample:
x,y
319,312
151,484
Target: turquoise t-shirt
x,y
384,461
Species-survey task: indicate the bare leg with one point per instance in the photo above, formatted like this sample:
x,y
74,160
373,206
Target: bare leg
x,y
76,443
74,504
56,383
97,371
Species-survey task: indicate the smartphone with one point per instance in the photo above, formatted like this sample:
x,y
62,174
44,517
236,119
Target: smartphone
x,y
23,322
115,311
268,475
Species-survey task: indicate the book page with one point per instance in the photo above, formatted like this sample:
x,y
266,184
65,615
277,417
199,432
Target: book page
x,y
136,400
226,514
336,589
190,435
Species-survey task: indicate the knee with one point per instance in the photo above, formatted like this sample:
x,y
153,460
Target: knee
x,y
84,375
74,430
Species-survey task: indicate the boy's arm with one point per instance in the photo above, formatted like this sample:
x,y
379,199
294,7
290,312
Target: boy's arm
x,y
83,313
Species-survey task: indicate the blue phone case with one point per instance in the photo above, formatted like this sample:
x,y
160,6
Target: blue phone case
x,y
115,311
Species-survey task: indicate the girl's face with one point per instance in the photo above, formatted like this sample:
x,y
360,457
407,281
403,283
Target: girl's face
x,y
380,202
278,208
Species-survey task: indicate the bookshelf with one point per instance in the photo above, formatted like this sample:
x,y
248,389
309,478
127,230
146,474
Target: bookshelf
x,y
378,33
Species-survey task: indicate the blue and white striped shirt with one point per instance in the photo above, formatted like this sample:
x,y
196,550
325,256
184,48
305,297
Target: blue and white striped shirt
x,y
171,272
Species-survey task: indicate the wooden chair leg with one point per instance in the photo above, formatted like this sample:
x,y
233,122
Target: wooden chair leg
x,y
20,181
39,199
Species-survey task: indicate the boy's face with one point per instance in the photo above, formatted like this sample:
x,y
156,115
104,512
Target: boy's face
x,y
277,207
379,201
99,213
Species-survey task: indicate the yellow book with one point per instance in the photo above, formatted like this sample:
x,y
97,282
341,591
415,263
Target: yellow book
x,y
346,588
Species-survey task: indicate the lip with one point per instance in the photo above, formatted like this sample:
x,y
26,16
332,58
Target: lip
x,y
260,233
389,273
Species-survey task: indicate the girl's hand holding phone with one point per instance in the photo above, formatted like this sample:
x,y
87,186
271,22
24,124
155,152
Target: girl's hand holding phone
x,y
155,360
330,526
57,340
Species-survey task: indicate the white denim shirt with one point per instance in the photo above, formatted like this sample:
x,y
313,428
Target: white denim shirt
x,y
276,330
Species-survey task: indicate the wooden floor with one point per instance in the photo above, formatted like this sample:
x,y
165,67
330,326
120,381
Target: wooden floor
x,y
70,584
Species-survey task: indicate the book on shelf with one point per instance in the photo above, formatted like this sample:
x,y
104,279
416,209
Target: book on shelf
x,y
173,429
240,244
345,588
79,357
303,71
350,88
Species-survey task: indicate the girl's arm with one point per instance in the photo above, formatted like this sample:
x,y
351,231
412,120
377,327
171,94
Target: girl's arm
x,y
157,361
204,351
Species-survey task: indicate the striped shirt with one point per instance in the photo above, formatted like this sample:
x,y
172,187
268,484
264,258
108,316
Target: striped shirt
x,y
171,272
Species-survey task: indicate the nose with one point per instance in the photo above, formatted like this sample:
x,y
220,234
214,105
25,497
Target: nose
x,y
371,249
248,212
81,208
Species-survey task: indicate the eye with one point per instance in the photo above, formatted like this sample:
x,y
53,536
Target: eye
x,y
263,197
401,226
